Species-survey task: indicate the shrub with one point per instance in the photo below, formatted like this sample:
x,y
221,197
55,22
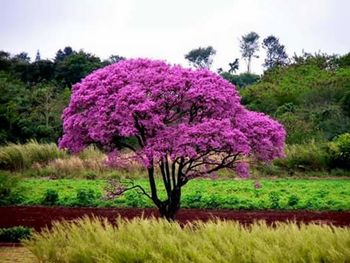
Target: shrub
x,y
140,240
85,197
274,198
9,190
293,200
305,157
50,197
90,175
339,150
22,156
15,234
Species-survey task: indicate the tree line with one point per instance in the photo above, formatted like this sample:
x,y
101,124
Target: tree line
x,y
34,93
249,45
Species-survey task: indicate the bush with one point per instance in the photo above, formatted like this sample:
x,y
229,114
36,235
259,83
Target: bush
x,y
339,150
293,200
22,156
305,157
90,175
141,240
242,80
15,234
50,197
85,197
9,190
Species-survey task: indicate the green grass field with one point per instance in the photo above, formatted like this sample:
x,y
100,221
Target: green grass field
x,y
320,194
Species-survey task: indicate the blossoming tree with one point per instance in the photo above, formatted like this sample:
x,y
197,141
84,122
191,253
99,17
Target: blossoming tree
x,y
188,124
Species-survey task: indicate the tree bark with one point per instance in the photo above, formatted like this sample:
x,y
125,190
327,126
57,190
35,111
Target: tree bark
x,y
169,208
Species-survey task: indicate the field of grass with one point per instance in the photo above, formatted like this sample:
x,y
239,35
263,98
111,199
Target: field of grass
x,y
320,194
141,240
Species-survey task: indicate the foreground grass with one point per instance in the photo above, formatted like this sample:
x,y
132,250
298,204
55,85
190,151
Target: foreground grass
x,y
320,194
140,240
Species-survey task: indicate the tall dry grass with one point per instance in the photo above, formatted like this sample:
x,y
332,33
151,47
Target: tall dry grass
x,y
37,159
141,240
23,156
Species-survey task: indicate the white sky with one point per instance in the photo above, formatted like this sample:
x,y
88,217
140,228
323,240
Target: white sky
x,y
169,29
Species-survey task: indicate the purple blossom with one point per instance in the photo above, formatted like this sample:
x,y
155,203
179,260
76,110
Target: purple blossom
x,y
257,185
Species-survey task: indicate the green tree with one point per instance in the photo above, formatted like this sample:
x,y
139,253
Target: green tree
x,y
61,55
75,66
234,66
5,61
37,56
47,103
23,56
241,80
41,70
14,105
308,96
276,54
249,45
201,57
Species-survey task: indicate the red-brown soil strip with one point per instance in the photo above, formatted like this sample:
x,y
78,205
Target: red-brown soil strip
x,y
38,217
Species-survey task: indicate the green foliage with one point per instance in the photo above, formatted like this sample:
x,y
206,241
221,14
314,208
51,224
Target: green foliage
x,y
151,240
73,67
21,156
34,94
201,193
30,113
50,197
47,104
293,200
14,105
201,57
339,150
15,234
344,61
310,156
274,199
90,175
241,80
10,193
85,197
309,97
276,55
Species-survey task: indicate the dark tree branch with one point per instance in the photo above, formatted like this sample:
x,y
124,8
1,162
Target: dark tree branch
x,y
167,171
165,179
173,171
119,190
153,186
139,187
128,146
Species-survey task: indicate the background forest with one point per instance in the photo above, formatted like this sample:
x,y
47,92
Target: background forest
x,y
309,94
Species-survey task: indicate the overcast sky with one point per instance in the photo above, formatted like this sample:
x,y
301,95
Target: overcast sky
x,y
168,29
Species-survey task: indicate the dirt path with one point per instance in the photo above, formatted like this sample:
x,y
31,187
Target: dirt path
x,y
38,217
16,255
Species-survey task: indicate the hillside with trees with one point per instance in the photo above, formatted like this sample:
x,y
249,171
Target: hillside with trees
x,y
309,94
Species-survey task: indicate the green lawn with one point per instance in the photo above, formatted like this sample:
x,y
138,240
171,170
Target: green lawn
x,y
320,194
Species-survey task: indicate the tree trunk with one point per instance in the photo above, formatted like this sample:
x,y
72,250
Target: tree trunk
x,y
169,208
249,61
